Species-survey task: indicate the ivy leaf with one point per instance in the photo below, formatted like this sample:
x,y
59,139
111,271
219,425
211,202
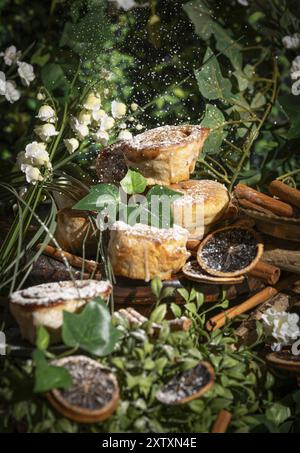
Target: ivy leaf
x,y
291,107
133,182
160,200
211,83
278,413
214,119
200,14
91,330
42,338
100,197
48,377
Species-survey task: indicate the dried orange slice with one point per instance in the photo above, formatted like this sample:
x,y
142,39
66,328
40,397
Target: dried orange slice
x,y
94,394
230,252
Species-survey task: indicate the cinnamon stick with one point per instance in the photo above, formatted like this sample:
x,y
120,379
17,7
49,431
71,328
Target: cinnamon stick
x,y
73,260
277,207
285,193
256,207
218,321
222,422
266,272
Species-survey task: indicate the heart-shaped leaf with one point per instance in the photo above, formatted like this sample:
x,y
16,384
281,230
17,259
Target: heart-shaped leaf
x,y
133,182
48,377
100,196
91,330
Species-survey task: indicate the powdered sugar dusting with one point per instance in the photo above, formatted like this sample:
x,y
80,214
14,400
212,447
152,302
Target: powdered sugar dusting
x,y
139,229
197,190
49,293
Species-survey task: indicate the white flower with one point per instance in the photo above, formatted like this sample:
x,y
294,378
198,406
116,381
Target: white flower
x,y
92,102
81,130
282,326
25,71
125,135
295,68
107,123
125,4
101,137
22,160
243,2
40,96
11,93
10,55
296,86
134,106
85,117
33,174
118,109
97,115
71,144
123,126
2,83
46,131
47,114
139,127
291,42
37,154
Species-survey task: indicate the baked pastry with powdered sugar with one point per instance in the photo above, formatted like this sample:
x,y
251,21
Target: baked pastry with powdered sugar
x,y
167,154
144,252
43,305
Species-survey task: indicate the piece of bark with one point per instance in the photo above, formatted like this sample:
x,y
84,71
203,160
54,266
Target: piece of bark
x,y
277,207
283,254
285,193
266,272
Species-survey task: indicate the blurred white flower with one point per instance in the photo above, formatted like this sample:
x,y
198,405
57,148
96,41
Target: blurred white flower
x,y
118,109
281,326
22,159
106,91
295,75
106,123
71,144
40,96
85,117
46,131
125,4
2,83
134,106
25,71
291,42
122,126
296,87
33,174
97,115
92,102
37,154
11,92
243,2
131,119
81,130
101,137
10,55
47,114
125,135
139,127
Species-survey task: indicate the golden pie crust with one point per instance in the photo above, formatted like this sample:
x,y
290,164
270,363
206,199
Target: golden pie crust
x,y
167,154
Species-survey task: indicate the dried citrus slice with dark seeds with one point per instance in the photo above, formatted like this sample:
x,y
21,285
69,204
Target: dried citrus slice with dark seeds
x,y
188,385
94,394
193,271
110,164
230,252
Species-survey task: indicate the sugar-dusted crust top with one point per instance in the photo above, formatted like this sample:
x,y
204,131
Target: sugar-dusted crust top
x,y
151,233
51,294
165,138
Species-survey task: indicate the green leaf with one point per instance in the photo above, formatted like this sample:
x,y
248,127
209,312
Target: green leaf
x,y
200,14
184,294
258,101
91,330
48,377
211,83
176,310
99,198
291,107
156,286
133,182
53,78
278,413
159,313
215,120
42,338
167,292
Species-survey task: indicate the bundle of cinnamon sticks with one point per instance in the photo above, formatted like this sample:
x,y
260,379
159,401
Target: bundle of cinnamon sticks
x,y
286,203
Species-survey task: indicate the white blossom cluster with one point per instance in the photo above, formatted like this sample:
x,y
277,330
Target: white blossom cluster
x,y
35,160
283,327
94,123
126,5
8,88
295,76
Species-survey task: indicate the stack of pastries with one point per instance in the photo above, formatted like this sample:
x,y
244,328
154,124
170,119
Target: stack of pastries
x,y
166,156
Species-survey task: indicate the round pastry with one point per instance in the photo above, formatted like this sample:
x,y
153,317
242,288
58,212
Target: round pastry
x,y
110,164
167,154
75,231
204,202
43,305
144,252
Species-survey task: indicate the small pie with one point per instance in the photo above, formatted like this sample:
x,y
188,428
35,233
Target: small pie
x,y
167,154
144,252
